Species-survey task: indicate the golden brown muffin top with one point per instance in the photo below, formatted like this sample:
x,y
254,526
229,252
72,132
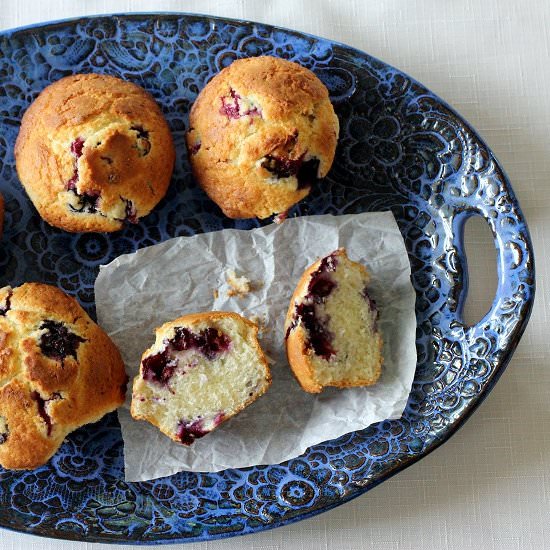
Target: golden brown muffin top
x,y
94,151
58,371
261,133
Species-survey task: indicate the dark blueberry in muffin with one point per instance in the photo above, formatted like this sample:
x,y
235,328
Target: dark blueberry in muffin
x,y
319,337
130,212
281,167
210,342
87,203
76,147
76,150
231,107
195,148
5,307
159,367
58,341
284,167
320,287
41,403
187,432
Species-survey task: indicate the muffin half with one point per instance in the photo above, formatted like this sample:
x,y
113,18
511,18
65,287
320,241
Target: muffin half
x,y
202,369
332,335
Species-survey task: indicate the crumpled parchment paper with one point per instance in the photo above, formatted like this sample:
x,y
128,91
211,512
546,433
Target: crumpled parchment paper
x,y
137,292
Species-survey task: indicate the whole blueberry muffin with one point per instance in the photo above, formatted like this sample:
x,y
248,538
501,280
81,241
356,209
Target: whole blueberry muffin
x,y
58,371
261,133
94,152
202,369
332,334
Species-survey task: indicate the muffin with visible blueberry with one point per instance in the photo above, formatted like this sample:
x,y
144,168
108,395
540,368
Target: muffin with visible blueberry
x,y
261,133
58,371
202,369
94,152
332,334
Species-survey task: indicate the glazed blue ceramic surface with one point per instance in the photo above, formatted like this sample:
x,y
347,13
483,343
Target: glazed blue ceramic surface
x,y
400,149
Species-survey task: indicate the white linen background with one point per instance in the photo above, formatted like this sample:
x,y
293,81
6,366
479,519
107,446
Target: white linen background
x,y
489,486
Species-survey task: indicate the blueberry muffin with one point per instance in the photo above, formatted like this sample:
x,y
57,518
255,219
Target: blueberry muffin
x,y
202,369
261,133
58,371
94,152
332,335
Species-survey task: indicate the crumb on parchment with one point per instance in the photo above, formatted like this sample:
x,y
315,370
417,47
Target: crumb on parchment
x,y
239,286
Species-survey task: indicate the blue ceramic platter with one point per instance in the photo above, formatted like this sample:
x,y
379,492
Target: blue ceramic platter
x,y
401,149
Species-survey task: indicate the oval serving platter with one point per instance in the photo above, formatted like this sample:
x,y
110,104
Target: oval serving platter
x,y
401,149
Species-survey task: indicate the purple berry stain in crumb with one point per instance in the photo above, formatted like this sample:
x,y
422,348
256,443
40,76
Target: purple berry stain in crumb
x,y
372,304
76,147
6,306
87,202
130,212
159,367
209,341
184,339
218,419
318,336
41,403
57,342
194,149
76,150
231,107
284,167
188,431
320,286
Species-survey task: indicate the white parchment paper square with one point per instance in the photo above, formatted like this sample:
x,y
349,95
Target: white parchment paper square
x,y
137,292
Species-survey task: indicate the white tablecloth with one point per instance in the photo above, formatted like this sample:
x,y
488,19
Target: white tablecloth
x,y
489,486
